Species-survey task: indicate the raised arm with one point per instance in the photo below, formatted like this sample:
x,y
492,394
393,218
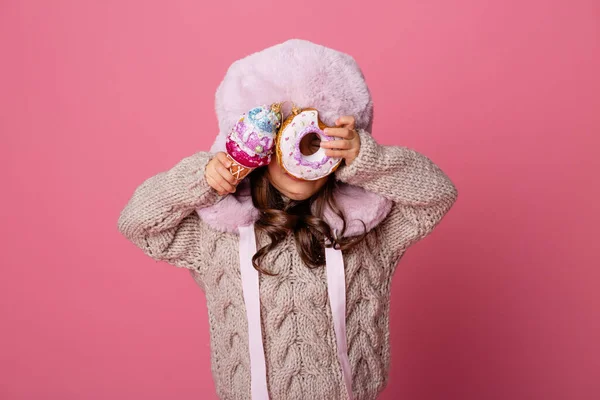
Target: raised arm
x,y
421,191
160,219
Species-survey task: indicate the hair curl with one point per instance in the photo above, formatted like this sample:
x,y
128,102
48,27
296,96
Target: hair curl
x,y
311,233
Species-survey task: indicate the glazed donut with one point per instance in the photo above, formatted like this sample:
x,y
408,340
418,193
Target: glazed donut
x,y
305,167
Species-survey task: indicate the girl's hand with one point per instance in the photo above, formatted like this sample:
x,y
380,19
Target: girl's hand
x,y
218,176
348,146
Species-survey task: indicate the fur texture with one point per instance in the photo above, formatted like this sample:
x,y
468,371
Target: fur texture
x,y
237,210
309,75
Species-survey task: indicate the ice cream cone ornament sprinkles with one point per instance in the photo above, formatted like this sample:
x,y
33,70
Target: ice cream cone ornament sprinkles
x,y
251,141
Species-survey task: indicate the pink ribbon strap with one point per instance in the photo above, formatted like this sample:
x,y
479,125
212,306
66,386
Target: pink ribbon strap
x,y
336,290
250,287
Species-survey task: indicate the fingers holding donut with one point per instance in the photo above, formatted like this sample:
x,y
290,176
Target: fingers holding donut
x,y
347,121
348,144
342,133
338,144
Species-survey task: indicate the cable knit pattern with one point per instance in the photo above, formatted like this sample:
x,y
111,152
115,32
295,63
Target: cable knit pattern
x,y
160,218
421,192
299,339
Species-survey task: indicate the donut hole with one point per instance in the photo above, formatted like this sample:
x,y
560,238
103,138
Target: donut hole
x,y
310,144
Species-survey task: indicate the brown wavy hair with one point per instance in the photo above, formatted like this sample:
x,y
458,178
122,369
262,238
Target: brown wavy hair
x,y
277,219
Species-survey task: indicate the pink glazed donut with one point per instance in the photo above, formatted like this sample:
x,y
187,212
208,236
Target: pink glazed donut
x,y
305,167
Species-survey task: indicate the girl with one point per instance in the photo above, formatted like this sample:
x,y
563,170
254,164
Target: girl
x,y
296,273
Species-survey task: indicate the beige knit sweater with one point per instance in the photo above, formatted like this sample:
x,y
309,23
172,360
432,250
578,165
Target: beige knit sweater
x,y
297,328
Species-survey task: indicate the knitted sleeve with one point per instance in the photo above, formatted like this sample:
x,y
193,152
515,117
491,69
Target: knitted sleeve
x,y
421,192
160,217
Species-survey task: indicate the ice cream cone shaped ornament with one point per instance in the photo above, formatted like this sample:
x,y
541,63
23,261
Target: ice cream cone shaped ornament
x,y
251,142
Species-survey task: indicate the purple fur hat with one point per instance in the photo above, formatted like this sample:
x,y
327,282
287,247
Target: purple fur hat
x,y
309,75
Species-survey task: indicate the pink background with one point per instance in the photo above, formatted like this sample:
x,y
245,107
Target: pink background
x,y
501,302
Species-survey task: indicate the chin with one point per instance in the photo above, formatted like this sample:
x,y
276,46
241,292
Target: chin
x,y
298,197
297,193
